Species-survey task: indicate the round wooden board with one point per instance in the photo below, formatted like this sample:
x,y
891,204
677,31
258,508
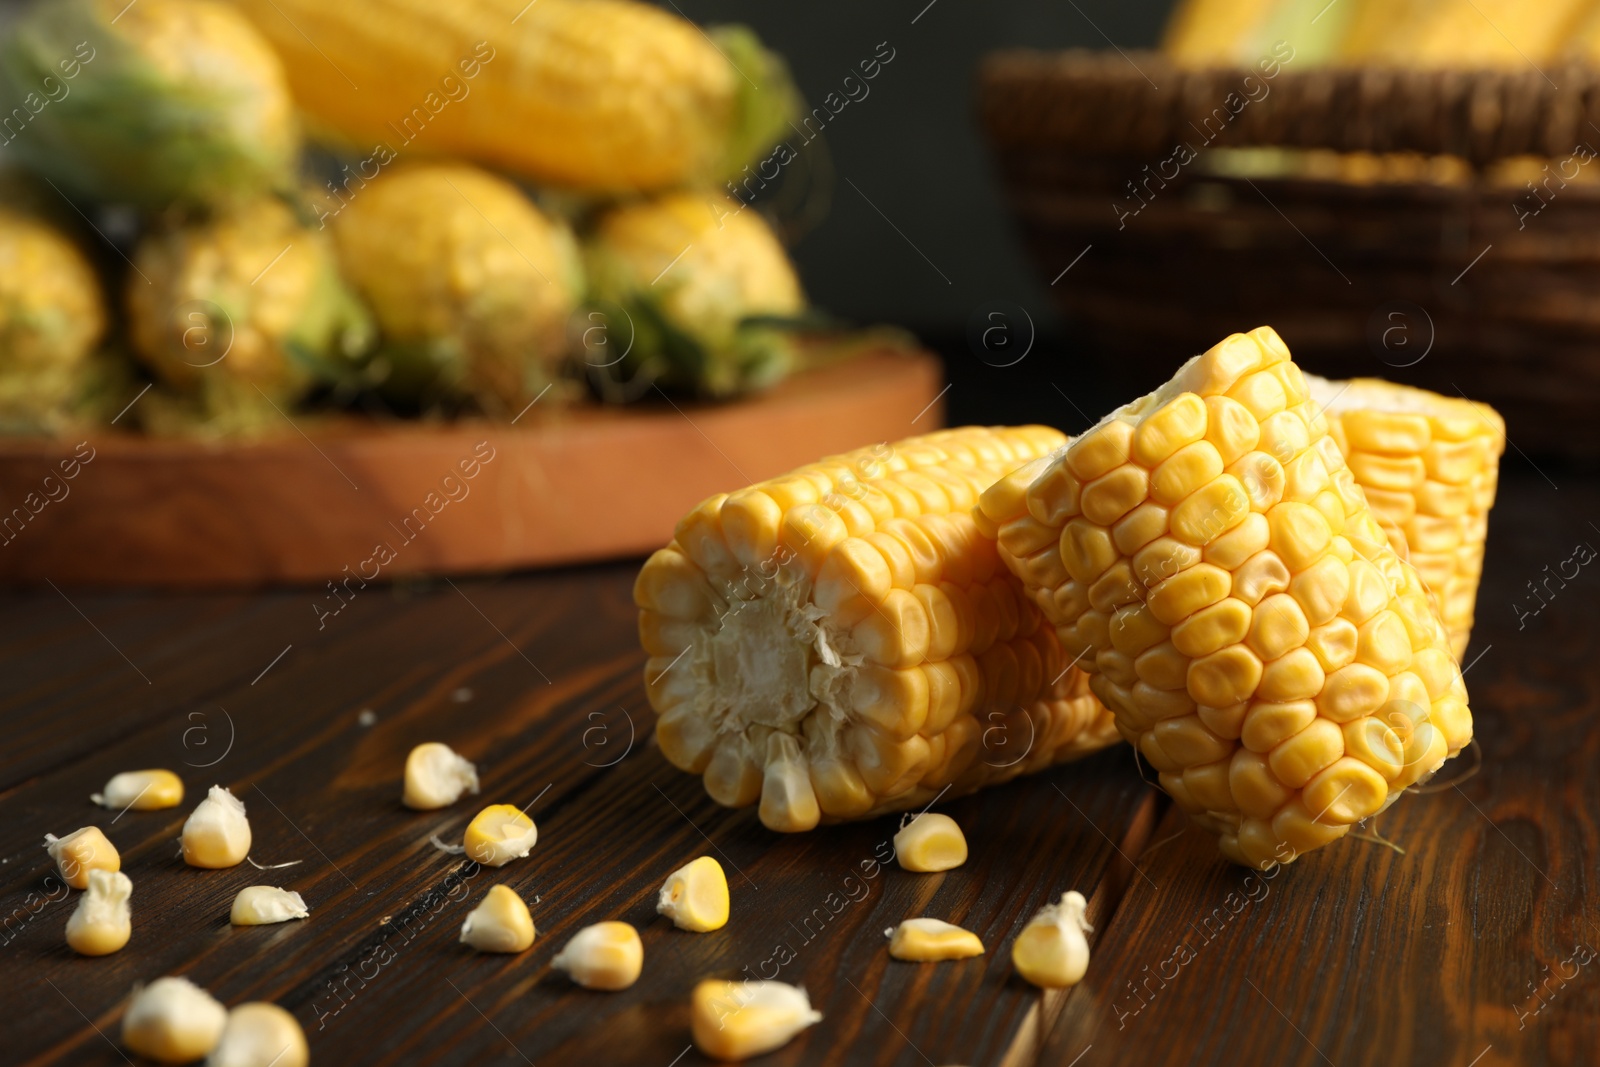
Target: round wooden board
x,y
351,500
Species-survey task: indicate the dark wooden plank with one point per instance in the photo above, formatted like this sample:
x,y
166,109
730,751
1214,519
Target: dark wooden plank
x,y
1450,954
376,975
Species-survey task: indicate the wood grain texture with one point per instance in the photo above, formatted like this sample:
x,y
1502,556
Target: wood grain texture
x,y
564,485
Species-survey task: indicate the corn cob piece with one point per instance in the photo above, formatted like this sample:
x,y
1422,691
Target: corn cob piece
x,y
602,95
837,641
1210,555
1429,465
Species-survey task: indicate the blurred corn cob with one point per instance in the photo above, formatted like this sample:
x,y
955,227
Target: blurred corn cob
x,y
1242,33
1480,34
707,288
608,95
471,284
1429,465
842,641
242,311
149,103
52,315
1208,553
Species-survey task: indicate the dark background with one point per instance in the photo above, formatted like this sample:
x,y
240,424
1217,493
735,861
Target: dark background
x,y
912,147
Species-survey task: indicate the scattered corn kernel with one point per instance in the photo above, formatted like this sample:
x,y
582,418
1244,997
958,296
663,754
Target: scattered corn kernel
x,y
499,834
259,905
436,776
738,1020
101,924
259,1034
696,896
141,791
80,852
606,955
500,924
172,1020
930,843
216,834
1052,951
924,940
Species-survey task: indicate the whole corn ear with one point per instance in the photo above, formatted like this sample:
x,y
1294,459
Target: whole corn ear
x,y
606,95
839,641
1429,465
1208,553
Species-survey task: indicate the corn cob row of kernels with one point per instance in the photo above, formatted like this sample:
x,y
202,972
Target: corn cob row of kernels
x,y
1429,465
836,642
1209,554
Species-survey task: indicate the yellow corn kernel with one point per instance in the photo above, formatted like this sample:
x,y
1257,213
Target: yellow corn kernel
x,y
500,923
1268,633
262,905
930,842
172,1020
258,1034
499,834
606,955
101,923
695,896
436,776
217,833
927,940
141,791
840,641
81,852
739,1020
1052,951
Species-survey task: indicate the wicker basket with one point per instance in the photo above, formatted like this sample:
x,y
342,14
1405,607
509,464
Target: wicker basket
x,y
1447,286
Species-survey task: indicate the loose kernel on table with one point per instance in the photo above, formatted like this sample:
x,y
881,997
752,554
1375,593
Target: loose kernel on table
x,y
738,1020
80,852
606,955
499,834
501,923
924,940
101,924
1052,951
172,1020
259,905
436,776
217,833
930,842
259,1034
695,896
141,791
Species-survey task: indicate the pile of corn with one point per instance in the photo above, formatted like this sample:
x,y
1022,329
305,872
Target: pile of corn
x,y
518,199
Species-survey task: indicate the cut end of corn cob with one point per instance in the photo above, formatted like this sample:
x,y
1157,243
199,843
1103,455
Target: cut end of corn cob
x,y
1429,466
172,1020
930,842
738,1020
927,940
841,641
261,905
499,834
436,777
1052,951
259,1034
217,833
141,791
102,922
607,955
1238,606
80,853
500,924
695,896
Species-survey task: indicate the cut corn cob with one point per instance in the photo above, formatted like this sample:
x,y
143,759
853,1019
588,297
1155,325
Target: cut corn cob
x,y
172,1020
82,852
1239,608
696,896
930,842
928,940
259,1034
837,642
738,1020
101,924
1429,465
141,791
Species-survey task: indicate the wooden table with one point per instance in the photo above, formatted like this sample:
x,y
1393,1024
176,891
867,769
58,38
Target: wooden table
x,y
1451,954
